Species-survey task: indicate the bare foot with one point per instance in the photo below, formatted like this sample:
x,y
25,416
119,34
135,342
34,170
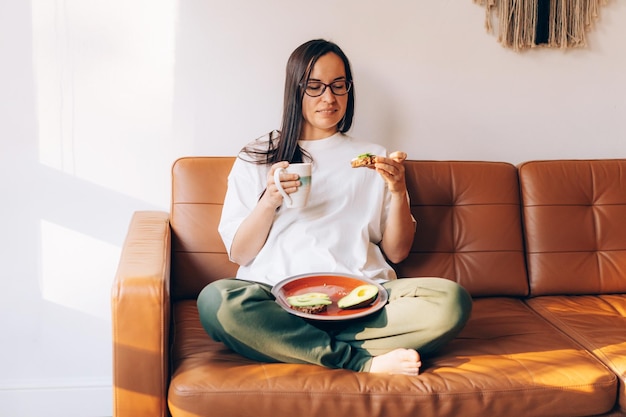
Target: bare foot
x,y
398,361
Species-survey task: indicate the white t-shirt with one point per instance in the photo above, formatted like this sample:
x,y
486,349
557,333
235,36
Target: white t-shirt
x,y
339,229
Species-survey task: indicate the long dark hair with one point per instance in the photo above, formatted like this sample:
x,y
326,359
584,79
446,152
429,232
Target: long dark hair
x,y
283,144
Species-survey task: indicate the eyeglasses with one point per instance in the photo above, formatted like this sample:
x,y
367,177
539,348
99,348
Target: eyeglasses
x,y
317,88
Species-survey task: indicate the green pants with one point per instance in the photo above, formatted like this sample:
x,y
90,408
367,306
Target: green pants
x,y
422,313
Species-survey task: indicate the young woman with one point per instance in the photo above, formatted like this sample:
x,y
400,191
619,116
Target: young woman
x,y
354,220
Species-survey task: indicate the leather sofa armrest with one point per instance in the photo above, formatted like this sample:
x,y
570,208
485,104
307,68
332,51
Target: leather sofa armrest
x,y
140,305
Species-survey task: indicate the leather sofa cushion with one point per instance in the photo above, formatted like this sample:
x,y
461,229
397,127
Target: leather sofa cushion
x,y
198,254
575,228
507,358
575,225
598,323
468,226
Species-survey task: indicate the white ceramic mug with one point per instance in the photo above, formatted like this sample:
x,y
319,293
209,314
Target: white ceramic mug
x,y
299,198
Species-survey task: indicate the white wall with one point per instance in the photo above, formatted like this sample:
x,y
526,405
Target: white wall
x,y
97,99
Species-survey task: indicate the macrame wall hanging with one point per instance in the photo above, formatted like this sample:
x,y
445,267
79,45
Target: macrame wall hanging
x,y
526,24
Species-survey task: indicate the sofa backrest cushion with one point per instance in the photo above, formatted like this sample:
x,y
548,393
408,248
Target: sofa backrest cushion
x,y
468,226
575,225
198,254
468,214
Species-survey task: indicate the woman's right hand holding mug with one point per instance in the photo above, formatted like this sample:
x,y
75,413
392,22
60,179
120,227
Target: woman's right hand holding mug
x,y
288,181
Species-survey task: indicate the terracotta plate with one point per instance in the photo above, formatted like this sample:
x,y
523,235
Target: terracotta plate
x,y
336,286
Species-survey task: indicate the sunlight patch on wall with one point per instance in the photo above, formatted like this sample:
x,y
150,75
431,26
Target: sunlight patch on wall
x,y
104,75
77,270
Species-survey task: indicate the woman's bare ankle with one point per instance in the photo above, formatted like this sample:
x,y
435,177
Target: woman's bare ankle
x,y
398,361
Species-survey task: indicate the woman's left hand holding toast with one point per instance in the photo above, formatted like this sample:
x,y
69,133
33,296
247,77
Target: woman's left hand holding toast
x,y
391,168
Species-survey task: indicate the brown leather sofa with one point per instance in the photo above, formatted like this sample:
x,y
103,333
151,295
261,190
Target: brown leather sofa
x,y
540,246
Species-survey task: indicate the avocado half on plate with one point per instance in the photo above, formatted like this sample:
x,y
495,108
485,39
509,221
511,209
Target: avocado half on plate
x,y
361,296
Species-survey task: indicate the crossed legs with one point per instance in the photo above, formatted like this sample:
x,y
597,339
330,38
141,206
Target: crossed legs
x,y
422,314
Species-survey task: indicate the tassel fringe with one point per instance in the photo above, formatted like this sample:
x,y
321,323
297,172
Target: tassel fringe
x,y
568,21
